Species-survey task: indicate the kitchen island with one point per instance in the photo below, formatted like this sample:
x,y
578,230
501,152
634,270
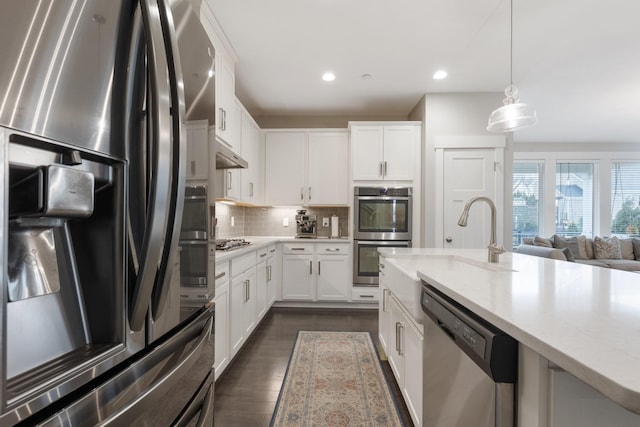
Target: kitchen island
x,y
567,317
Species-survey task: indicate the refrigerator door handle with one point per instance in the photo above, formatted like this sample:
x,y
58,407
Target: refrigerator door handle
x,y
165,383
159,193
122,399
178,161
201,406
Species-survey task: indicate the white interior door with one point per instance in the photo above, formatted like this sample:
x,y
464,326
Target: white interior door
x,y
467,174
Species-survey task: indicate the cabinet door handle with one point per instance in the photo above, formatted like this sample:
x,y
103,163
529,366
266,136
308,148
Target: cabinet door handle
x,y
193,167
272,251
309,193
220,114
221,275
245,292
399,329
310,267
224,119
381,170
263,255
318,268
385,168
297,249
332,249
384,300
248,289
301,193
381,266
229,178
251,189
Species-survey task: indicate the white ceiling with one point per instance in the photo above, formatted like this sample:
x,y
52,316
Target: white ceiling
x,y
576,61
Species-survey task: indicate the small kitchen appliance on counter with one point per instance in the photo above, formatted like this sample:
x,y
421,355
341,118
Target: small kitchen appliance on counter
x,y
306,225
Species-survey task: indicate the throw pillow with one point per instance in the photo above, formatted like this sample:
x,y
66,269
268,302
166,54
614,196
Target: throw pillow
x,y
589,247
636,247
568,254
541,241
626,249
529,241
607,248
572,243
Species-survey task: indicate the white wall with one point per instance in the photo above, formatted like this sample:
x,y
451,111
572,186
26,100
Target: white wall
x,y
456,114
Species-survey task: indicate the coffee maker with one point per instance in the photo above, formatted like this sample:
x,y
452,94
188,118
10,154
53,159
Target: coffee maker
x,y
306,225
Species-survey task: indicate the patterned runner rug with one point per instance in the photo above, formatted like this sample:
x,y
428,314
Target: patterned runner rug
x,y
334,379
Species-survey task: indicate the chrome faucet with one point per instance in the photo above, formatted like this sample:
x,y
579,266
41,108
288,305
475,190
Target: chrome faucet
x,y
494,249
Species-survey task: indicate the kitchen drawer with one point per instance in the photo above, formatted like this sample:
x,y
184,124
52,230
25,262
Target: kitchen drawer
x,y
243,263
333,249
271,249
222,273
262,254
365,294
297,248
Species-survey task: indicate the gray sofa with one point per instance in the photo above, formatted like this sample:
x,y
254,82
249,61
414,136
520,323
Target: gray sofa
x,y
582,250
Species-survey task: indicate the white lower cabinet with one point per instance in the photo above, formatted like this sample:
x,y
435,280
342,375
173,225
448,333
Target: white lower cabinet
x,y
402,339
221,319
575,403
315,272
261,283
274,275
243,305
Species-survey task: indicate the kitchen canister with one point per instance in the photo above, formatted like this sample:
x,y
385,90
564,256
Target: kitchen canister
x,y
335,226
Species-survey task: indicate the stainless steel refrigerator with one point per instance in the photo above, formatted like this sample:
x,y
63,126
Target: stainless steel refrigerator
x,y
94,95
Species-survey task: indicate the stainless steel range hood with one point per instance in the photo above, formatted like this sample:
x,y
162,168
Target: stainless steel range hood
x,y
227,159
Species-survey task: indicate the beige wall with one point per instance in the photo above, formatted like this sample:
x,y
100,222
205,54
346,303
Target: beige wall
x,y
455,114
304,122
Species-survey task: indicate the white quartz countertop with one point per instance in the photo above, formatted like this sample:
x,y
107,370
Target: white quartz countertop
x,y
584,319
258,242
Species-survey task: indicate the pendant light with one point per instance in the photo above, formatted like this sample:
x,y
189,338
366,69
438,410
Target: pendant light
x,y
513,114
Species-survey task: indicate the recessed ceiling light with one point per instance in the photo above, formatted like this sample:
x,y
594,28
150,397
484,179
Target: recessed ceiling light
x,y
328,77
365,76
440,74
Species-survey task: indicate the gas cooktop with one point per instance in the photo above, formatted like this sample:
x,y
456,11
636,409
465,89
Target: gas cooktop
x,y
230,244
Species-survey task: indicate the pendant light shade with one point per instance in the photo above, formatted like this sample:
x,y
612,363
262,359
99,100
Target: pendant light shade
x,y
513,114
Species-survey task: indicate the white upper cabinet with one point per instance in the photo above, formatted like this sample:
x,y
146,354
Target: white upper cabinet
x,y
252,185
197,150
225,80
384,151
226,110
327,168
285,154
306,167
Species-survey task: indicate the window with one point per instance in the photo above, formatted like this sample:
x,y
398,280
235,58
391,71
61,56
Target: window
x,y
574,199
625,199
527,199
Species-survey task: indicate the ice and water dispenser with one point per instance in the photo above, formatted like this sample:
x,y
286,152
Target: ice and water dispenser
x,y
65,282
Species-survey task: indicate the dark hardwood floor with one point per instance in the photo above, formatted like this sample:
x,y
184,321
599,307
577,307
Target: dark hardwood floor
x,y
246,393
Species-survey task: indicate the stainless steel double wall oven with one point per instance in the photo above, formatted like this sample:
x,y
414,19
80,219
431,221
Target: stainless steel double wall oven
x,y
382,217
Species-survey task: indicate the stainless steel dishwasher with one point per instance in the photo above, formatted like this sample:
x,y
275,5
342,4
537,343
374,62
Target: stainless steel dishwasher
x,y
469,367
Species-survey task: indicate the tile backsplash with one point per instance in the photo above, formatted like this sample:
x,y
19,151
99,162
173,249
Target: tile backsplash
x,y
269,221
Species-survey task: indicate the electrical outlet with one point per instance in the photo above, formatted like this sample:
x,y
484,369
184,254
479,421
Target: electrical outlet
x,y
285,222
325,222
